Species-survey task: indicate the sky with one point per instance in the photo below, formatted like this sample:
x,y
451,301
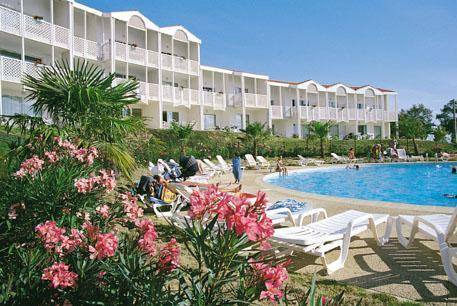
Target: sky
x,y
409,46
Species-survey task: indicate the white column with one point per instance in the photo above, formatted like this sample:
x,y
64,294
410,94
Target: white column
x,y
347,106
173,69
188,58
328,107
307,105
213,89
112,45
72,33
159,50
364,109
201,109
224,89
270,120
127,50
51,4
255,91
243,104
297,106
396,115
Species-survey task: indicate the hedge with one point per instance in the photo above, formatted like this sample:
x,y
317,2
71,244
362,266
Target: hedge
x,y
208,144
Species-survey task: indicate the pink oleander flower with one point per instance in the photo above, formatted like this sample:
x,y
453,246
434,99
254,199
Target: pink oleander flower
x,y
30,166
103,211
169,256
51,235
91,230
131,208
85,185
51,156
72,242
147,242
59,275
105,246
107,179
273,278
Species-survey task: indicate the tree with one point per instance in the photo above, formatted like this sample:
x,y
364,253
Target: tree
x,y
422,114
412,128
255,133
439,135
446,118
182,133
320,130
83,104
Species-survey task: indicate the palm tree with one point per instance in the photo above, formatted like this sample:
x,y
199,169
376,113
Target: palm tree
x,y
255,133
84,103
182,133
320,130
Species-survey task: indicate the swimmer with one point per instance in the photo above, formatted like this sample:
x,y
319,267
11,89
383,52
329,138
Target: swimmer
x,y
454,170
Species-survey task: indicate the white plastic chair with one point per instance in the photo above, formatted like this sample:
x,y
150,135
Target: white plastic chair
x,y
263,163
251,161
402,155
212,166
309,161
439,227
339,159
320,237
223,164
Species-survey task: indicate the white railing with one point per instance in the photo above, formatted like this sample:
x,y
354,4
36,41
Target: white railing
x,y
193,66
13,69
333,114
85,48
10,21
250,99
219,101
39,30
61,36
234,100
289,112
194,97
120,51
153,58
181,64
352,114
371,116
392,116
137,55
322,113
379,115
167,93
167,61
153,91
208,98
182,96
344,114
360,114
276,112
262,101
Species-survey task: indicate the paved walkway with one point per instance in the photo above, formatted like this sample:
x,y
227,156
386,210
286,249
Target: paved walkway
x,y
415,273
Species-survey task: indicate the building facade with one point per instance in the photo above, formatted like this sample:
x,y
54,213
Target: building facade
x,y
173,85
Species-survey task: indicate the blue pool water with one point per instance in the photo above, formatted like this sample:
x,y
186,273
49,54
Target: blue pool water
x,y
415,183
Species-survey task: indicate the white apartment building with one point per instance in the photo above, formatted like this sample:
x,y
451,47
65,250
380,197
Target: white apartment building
x,y
173,85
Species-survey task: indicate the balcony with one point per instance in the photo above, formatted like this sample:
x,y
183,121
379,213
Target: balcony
x,y
85,48
179,64
276,112
134,55
256,100
145,91
13,70
39,30
219,101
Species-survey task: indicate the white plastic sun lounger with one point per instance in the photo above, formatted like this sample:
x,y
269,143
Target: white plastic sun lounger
x,y
320,237
263,163
309,161
439,227
402,155
251,161
283,216
339,159
223,164
212,166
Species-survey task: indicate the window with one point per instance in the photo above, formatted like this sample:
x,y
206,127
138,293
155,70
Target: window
x,y
210,122
272,102
331,103
246,90
170,117
359,105
247,119
239,120
293,102
377,132
12,105
208,89
362,129
137,112
302,103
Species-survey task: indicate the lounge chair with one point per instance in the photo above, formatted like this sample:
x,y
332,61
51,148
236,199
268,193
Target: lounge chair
x,y
263,163
309,161
402,155
439,227
212,166
223,164
251,161
339,159
416,158
319,237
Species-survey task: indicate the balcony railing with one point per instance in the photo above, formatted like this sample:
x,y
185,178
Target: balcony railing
x,y
167,61
219,101
145,91
36,29
13,70
256,100
179,64
276,112
208,98
234,100
85,48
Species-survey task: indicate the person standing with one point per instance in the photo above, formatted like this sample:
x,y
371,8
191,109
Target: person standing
x,y
236,168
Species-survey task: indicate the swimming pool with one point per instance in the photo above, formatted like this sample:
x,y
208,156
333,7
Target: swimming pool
x,y
414,183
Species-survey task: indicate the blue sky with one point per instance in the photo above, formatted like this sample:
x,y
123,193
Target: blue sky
x,y
408,46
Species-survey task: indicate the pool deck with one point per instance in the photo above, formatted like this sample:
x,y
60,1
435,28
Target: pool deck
x,y
413,274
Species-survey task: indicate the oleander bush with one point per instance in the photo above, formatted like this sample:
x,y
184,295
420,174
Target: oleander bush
x,y
70,236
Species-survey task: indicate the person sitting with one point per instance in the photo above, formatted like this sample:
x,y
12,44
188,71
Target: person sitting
x,y
280,167
189,166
